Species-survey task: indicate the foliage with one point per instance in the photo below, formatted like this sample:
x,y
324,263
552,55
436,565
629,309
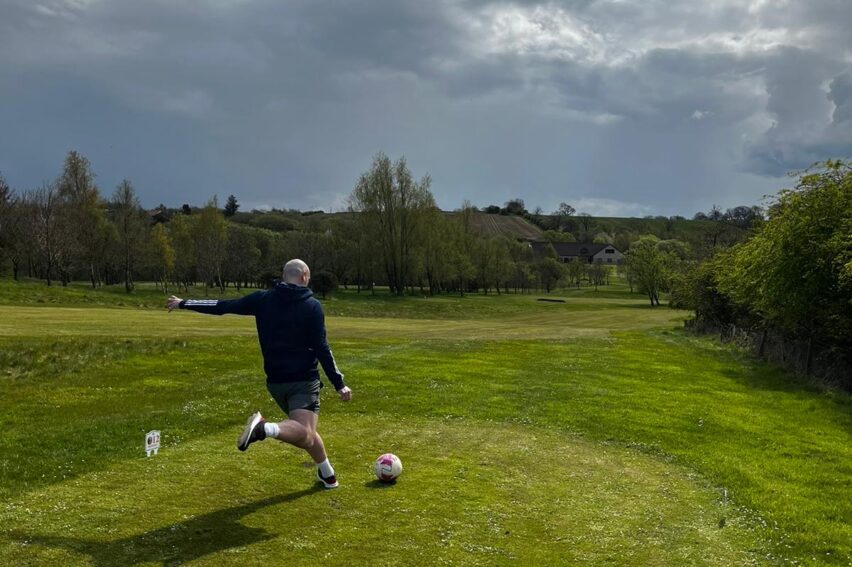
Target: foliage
x,y
211,238
652,264
793,272
323,283
231,206
393,207
550,271
131,223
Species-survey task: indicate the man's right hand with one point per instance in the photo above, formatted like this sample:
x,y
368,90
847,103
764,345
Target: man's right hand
x,y
173,303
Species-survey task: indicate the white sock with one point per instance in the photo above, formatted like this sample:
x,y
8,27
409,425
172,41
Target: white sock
x,y
271,429
325,469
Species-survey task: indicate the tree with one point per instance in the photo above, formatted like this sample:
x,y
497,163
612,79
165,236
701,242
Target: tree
x,y
652,262
554,236
211,239
323,282
77,188
550,271
576,271
162,255
181,233
7,219
131,222
597,274
47,227
393,207
586,221
243,255
231,206
743,216
565,210
793,272
516,207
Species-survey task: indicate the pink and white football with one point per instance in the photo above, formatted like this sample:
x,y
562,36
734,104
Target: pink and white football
x,y
387,467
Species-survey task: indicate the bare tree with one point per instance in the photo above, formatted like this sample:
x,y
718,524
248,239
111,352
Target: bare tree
x,y
129,219
46,227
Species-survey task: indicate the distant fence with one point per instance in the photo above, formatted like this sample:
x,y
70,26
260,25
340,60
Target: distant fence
x,y
827,363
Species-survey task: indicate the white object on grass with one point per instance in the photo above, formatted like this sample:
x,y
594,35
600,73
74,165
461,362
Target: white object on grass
x,y
387,467
152,442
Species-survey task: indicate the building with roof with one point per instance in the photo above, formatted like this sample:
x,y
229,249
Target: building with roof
x,y
582,252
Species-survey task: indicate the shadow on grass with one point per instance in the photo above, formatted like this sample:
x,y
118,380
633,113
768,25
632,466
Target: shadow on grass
x,y
379,484
175,544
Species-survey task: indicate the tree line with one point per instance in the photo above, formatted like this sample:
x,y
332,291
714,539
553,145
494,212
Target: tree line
x,y
393,235
66,230
792,279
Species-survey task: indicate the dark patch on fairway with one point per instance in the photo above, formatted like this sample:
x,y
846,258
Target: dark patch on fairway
x,y
550,300
175,544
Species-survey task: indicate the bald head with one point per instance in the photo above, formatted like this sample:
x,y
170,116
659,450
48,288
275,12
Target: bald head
x,y
297,272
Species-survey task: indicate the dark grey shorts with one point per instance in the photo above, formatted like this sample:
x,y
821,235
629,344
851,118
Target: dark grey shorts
x,y
296,395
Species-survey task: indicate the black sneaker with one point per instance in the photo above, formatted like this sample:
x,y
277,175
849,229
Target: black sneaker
x,y
329,481
254,431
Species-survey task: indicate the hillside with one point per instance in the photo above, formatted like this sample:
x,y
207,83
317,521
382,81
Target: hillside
x,y
505,225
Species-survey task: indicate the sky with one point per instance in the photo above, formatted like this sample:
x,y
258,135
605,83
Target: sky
x,y
617,107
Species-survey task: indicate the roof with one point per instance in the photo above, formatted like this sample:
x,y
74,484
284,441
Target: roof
x,y
574,248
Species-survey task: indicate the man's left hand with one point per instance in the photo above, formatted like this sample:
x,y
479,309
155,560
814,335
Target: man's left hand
x,y
173,303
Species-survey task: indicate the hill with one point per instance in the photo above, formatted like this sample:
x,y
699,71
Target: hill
x,y
505,225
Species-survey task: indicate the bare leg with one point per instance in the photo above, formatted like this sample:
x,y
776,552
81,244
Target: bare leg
x,y
301,431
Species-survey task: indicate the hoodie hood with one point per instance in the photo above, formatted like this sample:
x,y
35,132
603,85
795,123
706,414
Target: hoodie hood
x,y
293,293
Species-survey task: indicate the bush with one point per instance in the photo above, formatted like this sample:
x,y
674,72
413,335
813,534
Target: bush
x,y
323,283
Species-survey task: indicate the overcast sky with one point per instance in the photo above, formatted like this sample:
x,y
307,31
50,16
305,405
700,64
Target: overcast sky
x,y
619,107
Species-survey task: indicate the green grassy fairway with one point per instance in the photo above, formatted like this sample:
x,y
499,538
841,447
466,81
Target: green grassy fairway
x,y
542,434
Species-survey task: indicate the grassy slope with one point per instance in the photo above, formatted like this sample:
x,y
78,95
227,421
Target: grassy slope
x,y
663,402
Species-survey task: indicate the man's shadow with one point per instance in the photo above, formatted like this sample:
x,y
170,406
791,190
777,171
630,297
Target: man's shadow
x,y
177,543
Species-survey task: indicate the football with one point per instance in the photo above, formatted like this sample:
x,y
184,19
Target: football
x,y
388,467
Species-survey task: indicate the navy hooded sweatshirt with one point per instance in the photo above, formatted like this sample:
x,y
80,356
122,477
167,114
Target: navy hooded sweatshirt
x,y
290,328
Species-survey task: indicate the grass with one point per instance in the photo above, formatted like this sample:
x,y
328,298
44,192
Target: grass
x,y
531,433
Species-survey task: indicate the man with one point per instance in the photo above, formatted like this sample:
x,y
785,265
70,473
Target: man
x,y
291,331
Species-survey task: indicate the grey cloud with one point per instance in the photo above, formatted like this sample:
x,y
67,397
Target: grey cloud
x,y
840,94
286,102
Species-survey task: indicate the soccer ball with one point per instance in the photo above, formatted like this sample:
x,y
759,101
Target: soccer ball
x,y
387,467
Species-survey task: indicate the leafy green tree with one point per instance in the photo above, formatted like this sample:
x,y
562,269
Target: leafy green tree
x,y
550,271
516,207
392,208
555,236
597,273
576,271
211,242
587,222
652,262
323,283
86,214
162,255
181,229
794,271
437,248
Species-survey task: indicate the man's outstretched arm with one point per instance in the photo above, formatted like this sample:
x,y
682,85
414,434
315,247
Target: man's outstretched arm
x,y
246,305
